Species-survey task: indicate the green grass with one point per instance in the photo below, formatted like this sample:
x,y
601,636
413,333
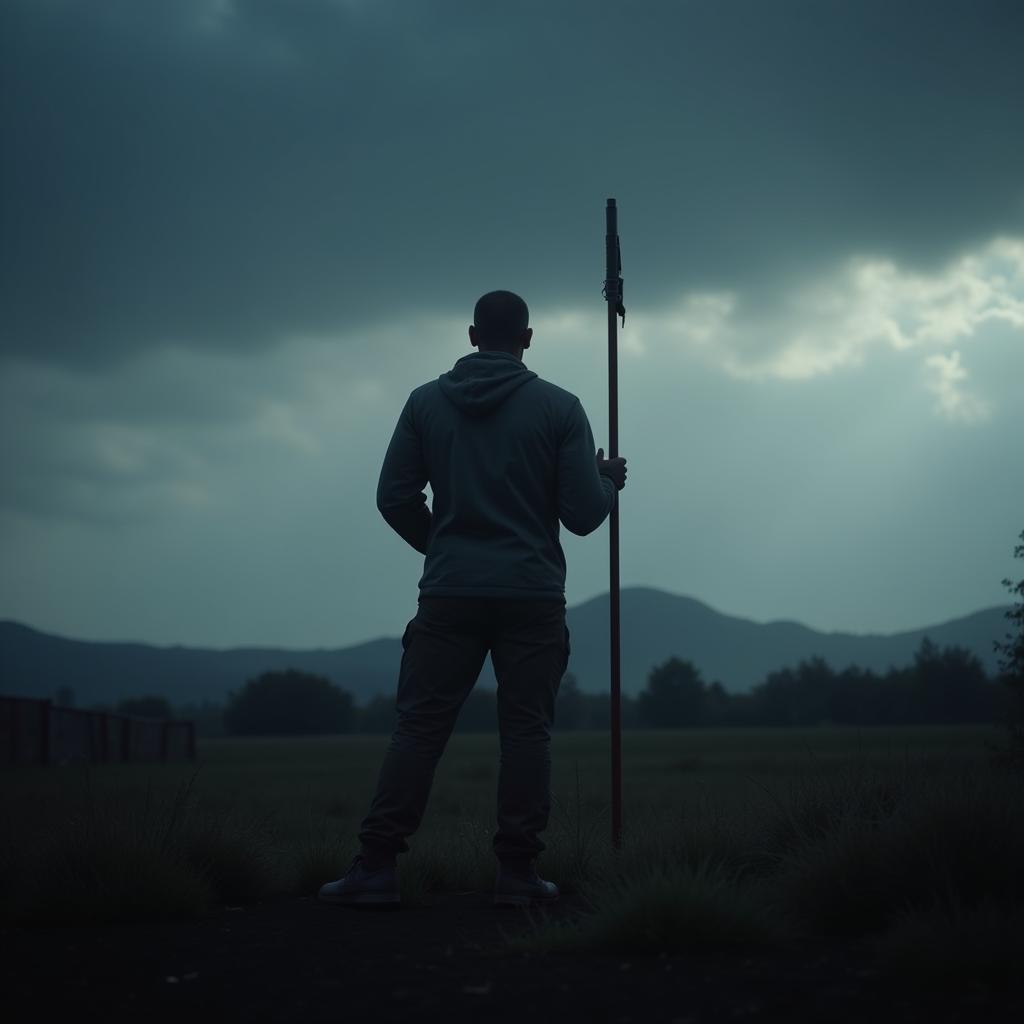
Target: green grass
x,y
898,843
923,856
650,907
114,857
734,839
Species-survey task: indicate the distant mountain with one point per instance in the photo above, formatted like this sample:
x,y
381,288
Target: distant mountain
x,y
34,664
655,626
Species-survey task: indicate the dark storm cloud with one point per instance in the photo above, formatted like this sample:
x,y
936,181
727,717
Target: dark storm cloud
x,y
221,175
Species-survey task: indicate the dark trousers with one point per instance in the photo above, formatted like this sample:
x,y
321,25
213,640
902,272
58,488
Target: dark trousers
x,y
444,648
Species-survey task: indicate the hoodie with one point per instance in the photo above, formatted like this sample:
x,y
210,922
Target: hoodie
x,y
508,457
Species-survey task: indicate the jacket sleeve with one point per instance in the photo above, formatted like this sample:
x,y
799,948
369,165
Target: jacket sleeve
x,y
585,497
400,496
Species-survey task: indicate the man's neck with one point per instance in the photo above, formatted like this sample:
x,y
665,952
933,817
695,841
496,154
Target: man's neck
x,y
518,354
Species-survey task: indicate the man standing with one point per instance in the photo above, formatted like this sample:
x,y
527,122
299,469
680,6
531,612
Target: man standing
x,y
507,455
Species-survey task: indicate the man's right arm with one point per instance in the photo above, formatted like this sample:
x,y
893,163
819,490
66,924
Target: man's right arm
x,y
585,496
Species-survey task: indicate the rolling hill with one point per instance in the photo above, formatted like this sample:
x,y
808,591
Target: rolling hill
x,y
655,626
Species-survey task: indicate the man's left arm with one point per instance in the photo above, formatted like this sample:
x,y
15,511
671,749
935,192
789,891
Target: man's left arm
x,y
400,496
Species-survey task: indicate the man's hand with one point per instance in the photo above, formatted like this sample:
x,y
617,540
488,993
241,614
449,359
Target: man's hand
x,y
614,468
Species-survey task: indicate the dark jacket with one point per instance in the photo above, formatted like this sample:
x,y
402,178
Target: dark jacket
x,y
507,455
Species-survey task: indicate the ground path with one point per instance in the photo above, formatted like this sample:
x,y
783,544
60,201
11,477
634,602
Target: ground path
x,y
300,960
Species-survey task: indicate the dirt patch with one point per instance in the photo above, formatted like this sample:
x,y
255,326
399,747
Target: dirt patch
x,y
297,959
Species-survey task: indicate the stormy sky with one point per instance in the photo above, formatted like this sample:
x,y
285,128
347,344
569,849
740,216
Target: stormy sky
x,y
235,235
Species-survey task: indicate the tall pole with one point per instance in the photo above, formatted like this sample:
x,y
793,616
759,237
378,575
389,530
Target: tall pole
x,y
613,294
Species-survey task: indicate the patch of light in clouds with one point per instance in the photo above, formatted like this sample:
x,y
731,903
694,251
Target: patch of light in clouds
x,y
834,323
158,431
945,379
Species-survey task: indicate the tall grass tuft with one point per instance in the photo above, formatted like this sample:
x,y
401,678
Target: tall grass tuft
x,y
239,859
575,846
115,860
881,850
321,856
691,909
866,850
460,860
813,807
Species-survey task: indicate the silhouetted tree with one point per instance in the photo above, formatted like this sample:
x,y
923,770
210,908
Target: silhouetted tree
x,y
898,703
629,711
570,704
599,710
378,715
943,685
65,697
950,685
1011,660
859,697
800,696
145,707
288,703
208,716
742,710
674,696
717,705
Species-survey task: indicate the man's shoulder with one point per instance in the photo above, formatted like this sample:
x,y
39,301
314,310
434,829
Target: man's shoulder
x,y
430,385
554,393
539,387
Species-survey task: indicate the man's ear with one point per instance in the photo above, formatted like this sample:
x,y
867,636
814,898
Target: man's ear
x,y
527,335
472,336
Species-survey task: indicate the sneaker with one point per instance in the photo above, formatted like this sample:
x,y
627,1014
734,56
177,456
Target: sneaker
x,y
519,886
363,886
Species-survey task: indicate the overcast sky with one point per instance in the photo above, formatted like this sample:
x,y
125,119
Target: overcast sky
x,y
235,235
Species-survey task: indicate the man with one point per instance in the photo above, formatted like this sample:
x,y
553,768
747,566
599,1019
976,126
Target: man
x,y
507,455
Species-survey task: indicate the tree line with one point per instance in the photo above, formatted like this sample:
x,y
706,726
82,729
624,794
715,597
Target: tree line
x,y
942,686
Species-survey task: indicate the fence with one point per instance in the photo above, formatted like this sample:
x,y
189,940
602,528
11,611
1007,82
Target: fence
x,y
37,732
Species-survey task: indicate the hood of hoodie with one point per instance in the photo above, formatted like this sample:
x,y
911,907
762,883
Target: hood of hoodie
x,y
478,383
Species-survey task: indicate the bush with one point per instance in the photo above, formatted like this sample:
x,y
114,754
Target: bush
x,y
289,703
674,696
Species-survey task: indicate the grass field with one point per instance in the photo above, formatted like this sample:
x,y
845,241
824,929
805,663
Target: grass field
x,y
732,838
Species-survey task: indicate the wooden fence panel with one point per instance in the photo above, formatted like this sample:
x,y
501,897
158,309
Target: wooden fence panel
x,y
37,732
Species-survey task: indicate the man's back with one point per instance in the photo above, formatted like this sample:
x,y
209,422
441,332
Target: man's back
x,y
507,455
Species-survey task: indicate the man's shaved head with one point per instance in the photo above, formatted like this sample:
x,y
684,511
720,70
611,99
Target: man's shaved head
x,y
500,319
